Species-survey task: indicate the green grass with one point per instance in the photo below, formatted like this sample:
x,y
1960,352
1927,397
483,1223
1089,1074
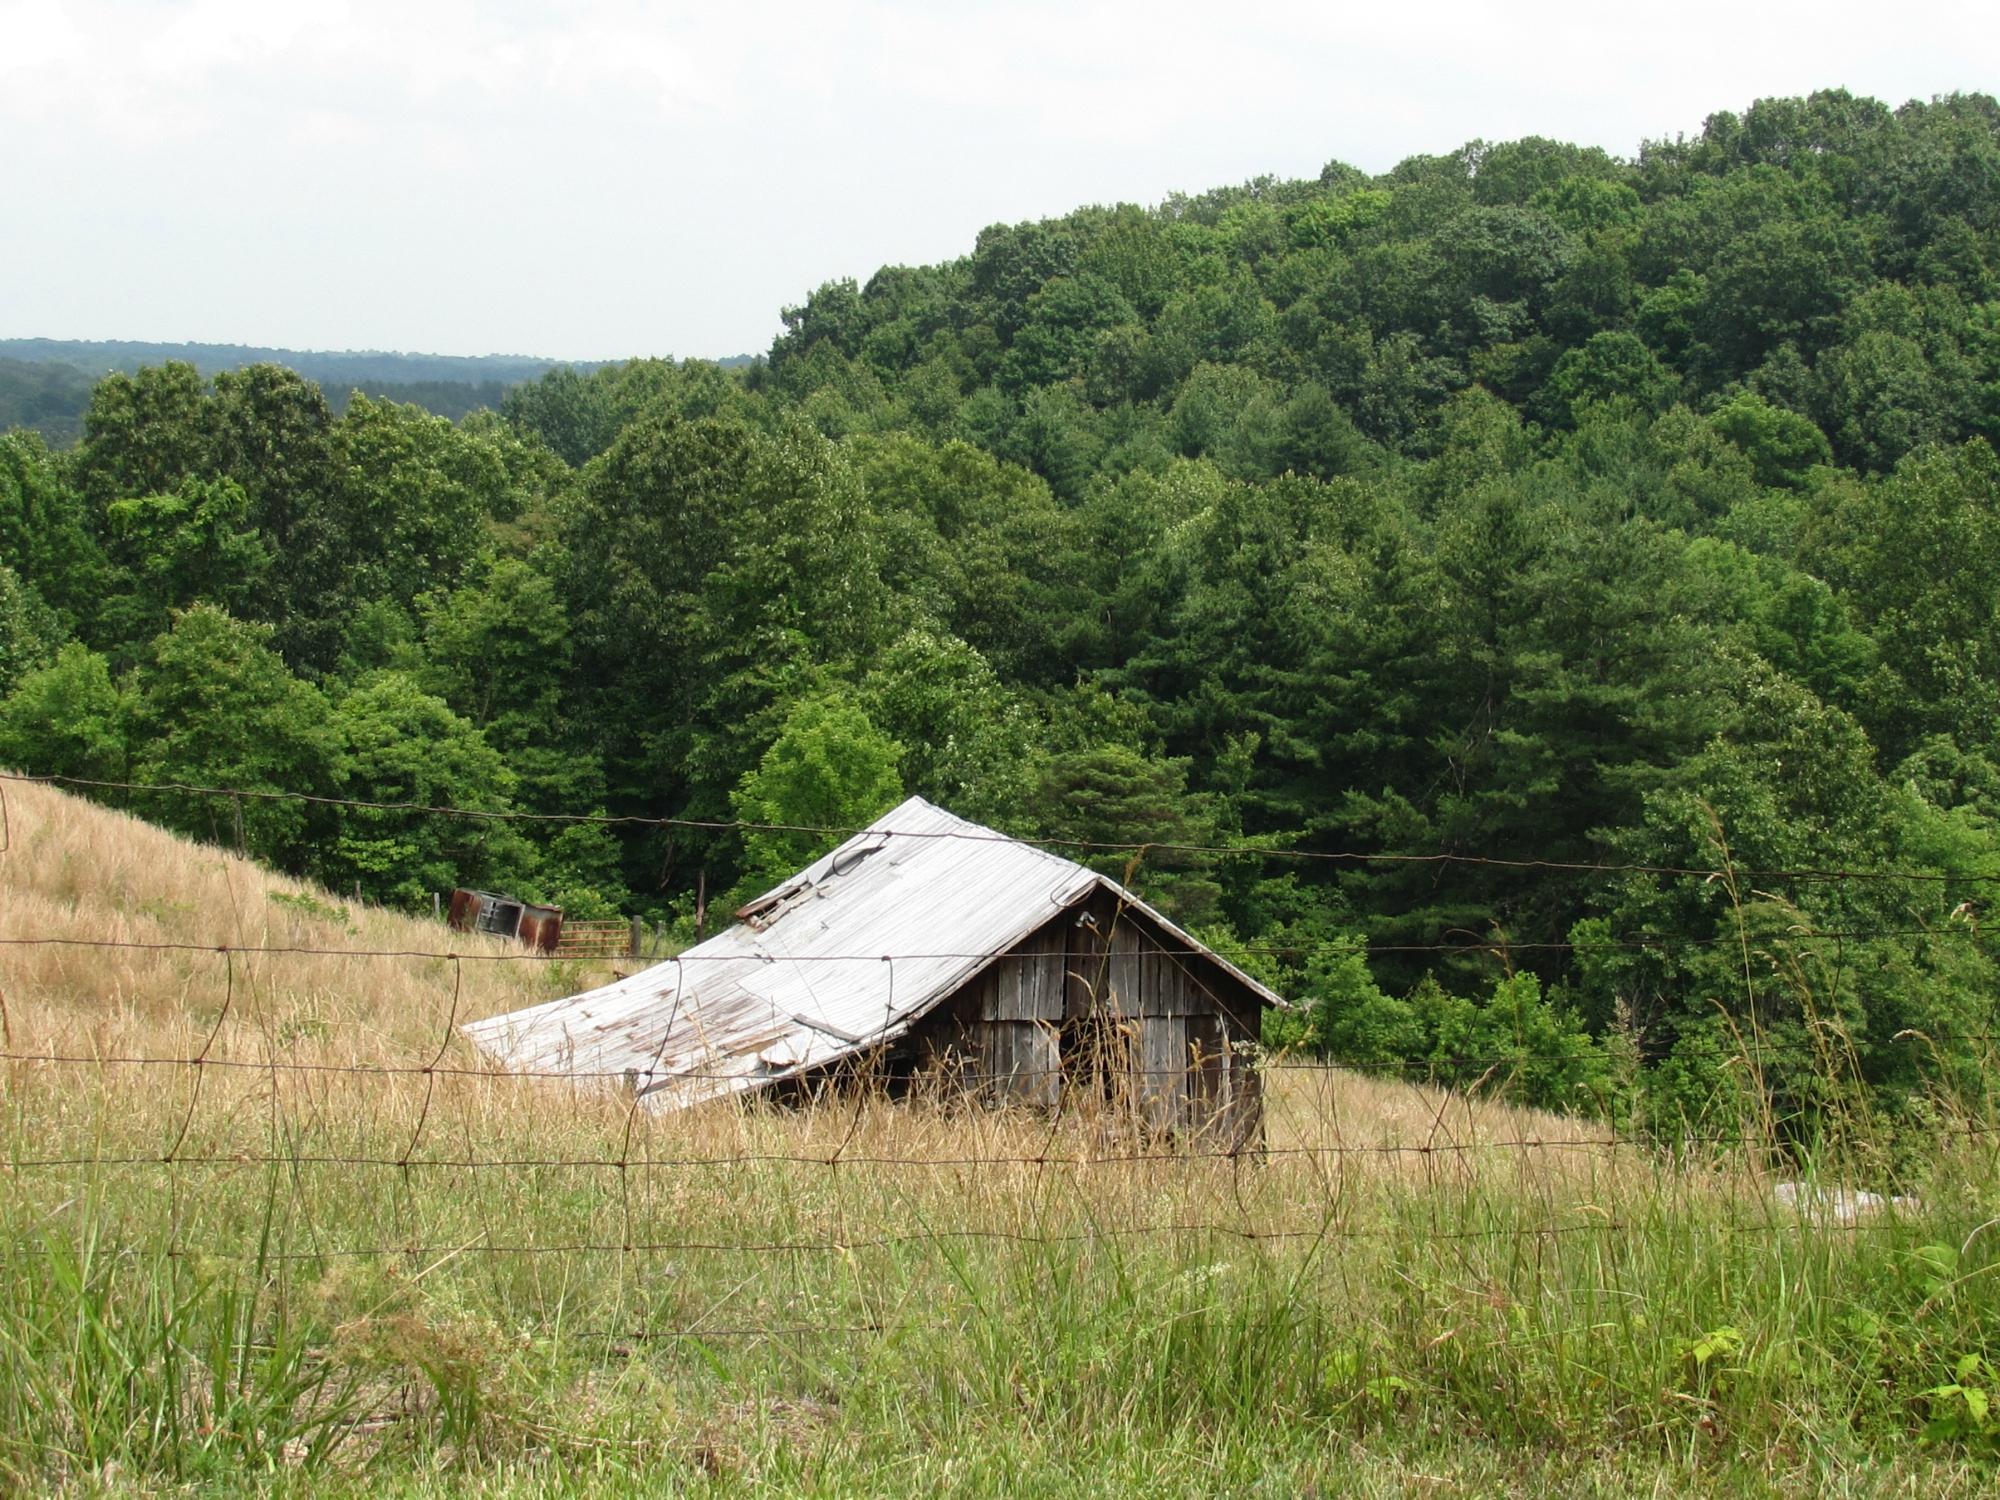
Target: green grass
x,y
1681,1339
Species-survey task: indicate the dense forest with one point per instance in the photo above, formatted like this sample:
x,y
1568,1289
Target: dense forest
x,y
1553,512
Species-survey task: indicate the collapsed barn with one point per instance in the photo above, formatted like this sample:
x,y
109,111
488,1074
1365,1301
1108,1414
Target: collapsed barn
x,y
926,947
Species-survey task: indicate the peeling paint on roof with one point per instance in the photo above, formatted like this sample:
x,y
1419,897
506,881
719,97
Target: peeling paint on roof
x,y
843,956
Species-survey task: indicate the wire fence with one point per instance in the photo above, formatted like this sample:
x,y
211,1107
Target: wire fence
x,y
1292,953
191,1170
270,1133
1249,849
1825,1038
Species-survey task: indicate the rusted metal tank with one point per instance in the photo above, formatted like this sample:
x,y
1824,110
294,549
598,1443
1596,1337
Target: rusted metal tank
x,y
539,927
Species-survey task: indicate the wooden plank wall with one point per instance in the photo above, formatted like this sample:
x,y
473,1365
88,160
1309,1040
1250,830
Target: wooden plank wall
x,y
1028,983
1085,962
1124,970
1161,1059
1002,1036
1192,1074
1019,1061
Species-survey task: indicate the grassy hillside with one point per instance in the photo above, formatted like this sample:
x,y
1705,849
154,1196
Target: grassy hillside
x,y
293,1259
75,871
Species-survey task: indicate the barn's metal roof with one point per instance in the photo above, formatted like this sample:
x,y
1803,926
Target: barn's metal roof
x,y
843,956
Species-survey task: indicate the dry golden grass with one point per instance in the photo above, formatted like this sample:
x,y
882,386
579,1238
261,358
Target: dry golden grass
x,y
77,871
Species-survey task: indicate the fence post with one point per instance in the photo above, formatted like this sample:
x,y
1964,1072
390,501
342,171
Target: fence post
x,y
638,937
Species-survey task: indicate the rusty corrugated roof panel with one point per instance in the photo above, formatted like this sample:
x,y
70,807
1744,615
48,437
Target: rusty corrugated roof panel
x,y
845,955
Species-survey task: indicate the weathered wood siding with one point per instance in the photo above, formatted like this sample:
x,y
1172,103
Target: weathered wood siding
x,y
1019,1061
1124,971
1006,1058
1027,983
1169,1022
1162,1062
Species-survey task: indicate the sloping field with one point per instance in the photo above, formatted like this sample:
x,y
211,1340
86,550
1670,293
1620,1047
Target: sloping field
x,y
266,1214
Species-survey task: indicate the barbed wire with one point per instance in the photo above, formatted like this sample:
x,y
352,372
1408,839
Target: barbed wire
x,y
752,1331
1754,1051
1293,951
1098,846
1750,1050
984,1086
641,1164
1779,1223
1192,1157
628,1164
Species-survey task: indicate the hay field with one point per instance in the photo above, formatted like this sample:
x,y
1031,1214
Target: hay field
x,y
270,1221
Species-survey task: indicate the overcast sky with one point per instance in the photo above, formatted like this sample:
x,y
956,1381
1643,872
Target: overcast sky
x,y
604,178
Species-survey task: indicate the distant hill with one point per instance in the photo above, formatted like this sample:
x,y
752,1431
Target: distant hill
x,y
45,383
51,398
331,368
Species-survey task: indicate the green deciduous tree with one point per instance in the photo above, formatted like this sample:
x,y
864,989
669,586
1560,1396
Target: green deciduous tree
x,y
415,495
144,433
45,534
215,706
498,651
68,718
191,545
829,769
392,742
1783,447
1611,367
1918,555
967,742
29,632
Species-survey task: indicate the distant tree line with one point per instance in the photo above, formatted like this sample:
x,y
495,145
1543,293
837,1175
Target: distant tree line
x,y
45,383
1523,504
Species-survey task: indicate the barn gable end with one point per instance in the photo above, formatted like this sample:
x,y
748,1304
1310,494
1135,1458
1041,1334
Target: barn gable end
x,y
1107,997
